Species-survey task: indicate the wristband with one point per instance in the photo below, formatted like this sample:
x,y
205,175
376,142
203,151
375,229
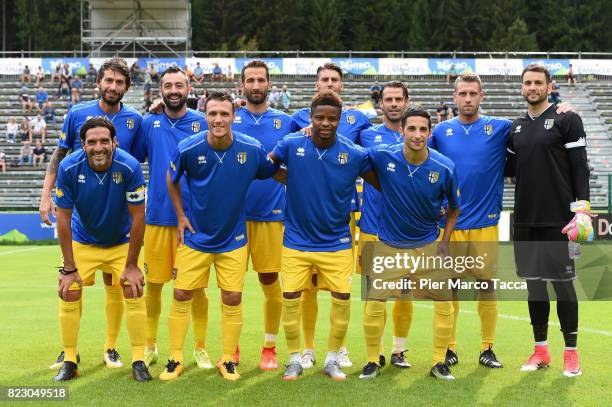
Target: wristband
x,y
65,272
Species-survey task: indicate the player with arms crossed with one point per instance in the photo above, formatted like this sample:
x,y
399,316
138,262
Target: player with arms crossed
x,y
113,81
219,165
161,134
322,170
394,99
414,182
548,152
101,220
352,122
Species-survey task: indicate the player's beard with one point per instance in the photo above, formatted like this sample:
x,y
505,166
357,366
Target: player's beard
x,y
541,99
174,106
102,162
257,99
109,98
392,119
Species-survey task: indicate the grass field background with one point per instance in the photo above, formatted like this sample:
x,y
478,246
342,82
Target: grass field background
x,y
30,342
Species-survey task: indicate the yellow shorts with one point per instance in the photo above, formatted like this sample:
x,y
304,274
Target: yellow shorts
x,y
160,243
335,270
482,242
363,239
265,245
193,268
353,229
89,258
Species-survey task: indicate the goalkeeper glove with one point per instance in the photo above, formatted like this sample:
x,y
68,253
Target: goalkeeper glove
x,y
580,228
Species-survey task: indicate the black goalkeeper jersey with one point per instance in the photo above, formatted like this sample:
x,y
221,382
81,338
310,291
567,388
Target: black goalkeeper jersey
x,y
544,184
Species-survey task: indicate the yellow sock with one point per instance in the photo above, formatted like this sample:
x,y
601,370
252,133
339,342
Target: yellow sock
x,y
113,300
199,314
70,322
452,344
153,302
80,301
402,320
136,325
291,323
231,326
373,328
310,310
339,319
487,310
442,327
273,305
178,323
382,346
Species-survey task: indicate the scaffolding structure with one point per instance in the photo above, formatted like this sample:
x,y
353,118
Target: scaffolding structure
x,y
109,27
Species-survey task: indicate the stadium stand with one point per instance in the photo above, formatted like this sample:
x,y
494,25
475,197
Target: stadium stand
x,y
20,186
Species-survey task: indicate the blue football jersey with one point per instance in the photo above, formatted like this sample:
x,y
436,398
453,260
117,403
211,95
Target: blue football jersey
x,y
127,124
370,206
100,199
478,151
218,181
160,137
320,187
412,195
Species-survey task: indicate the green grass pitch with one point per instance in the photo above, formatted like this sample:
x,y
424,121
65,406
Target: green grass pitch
x,y
30,342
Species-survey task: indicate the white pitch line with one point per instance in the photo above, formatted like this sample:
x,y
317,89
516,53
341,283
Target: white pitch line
x,y
22,250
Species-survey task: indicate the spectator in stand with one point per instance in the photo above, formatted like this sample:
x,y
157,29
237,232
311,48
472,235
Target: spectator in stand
x,y
570,76
65,71
285,98
135,72
25,154
76,86
202,101
452,74
41,98
26,103
39,154
230,73
153,72
375,93
554,96
274,98
90,77
148,82
25,130
57,75
26,76
2,161
217,74
49,112
198,73
443,112
188,72
237,94
12,128
64,87
39,127
40,75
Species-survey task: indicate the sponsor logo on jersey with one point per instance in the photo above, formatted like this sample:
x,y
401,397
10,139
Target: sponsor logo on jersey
x,y
391,167
238,119
242,157
548,123
130,123
195,127
488,129
300,152
277,211
342,158
449,132
81,178
433,176
350,119
239,237
345,240
378,138
156,124
518,129
278,124
201,160
117,177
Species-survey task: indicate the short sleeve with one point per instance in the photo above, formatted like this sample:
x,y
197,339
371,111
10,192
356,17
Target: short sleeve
x,y
64,195
135,186
366,163
66,136
176,166
452,192
573,131
140,146
510,143
280,150
267,167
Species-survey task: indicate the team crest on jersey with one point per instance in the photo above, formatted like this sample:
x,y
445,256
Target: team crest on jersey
x,y
449,132
195,127
433,176
518,129
300,152
81,179
378,138
59,193
201,160
117,177
488,129
391,167
342,158
130,123
242,157
278,123
548,123
350,119
156,124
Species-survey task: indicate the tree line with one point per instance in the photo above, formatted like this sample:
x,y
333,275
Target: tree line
x,y
338,25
